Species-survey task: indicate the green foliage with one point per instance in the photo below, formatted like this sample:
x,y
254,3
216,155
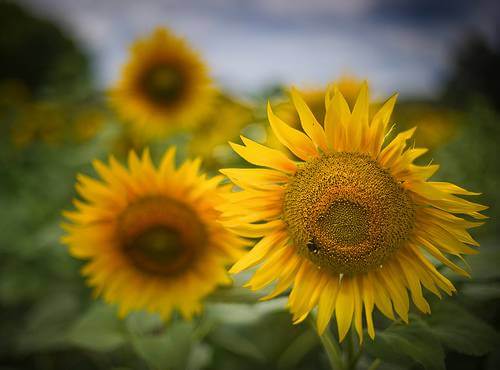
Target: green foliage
x,y
484,265
414,341
461,331
47,323
169,348
99,329
425,339
37,53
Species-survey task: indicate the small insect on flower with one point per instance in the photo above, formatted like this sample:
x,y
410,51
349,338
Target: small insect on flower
x,y
164,85
151,236
351,224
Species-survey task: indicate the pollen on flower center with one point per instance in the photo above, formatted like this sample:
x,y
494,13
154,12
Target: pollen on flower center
x,y
345,213
163,83
344,222
160,235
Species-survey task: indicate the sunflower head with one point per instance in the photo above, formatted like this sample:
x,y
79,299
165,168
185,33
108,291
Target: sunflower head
x,y
353,223
345,213
163,86
151,236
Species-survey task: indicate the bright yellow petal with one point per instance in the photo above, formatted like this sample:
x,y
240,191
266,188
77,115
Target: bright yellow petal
x,y
337,117
378,127
327,303
298,142
261,155
344,307
309,123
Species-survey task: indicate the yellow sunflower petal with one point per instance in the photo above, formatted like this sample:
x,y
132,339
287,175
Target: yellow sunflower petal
x,y
261,155
344,307
298,143
309,123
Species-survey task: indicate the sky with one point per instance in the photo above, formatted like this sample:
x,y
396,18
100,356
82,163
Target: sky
x,y
398,45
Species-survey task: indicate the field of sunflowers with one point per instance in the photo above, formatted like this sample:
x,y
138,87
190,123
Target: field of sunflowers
x,y
163,221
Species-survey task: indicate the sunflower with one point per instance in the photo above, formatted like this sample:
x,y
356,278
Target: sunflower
x,y
436,125
164,85
348,85
210,137
151,235
353,224
86,124
39,121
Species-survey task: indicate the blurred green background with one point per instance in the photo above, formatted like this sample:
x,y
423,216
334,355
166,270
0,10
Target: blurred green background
x,y
54,121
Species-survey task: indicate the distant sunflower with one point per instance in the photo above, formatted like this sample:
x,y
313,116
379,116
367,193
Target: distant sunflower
x,y
348,85
351,225
164,85
151,236
39,122
436,125
86,124
224,123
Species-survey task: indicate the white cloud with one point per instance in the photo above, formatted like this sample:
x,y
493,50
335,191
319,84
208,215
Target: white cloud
x,y
248,46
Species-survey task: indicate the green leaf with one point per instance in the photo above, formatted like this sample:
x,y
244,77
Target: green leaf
x,y
484,265
233,294
144,323
99,329
481,291
200,357
243,314
231,340
461,331
298,349
47,324
400,342
169,348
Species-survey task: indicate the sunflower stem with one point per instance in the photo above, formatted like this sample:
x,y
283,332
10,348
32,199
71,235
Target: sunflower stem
x,y
350,348
354,361
353,352
333,350
330,345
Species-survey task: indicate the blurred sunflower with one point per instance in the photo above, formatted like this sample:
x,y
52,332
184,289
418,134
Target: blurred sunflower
x,y
351,226
151,236
86,124
39,121
164,85
436,125
223,124
348,85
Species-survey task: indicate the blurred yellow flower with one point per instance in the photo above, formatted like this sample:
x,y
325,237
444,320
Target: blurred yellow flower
x,y
39,121
436,125
87,123
351,225
151,235
223,124
163,86
348,85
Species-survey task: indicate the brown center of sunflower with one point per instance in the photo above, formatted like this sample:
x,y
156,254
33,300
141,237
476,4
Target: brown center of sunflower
x,y
160,235
163,83
345,213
